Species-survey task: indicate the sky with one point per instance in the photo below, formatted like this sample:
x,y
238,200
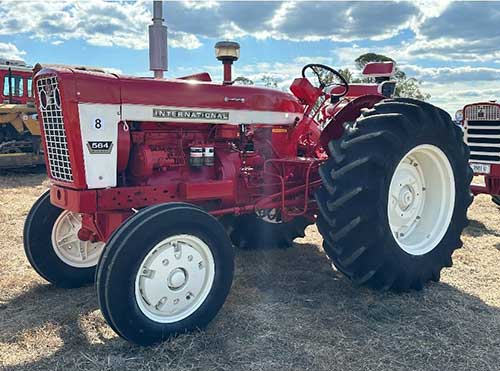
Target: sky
x,y
452,47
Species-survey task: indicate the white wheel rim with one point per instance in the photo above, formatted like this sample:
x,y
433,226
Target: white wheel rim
x,y
421,199
68,247
175,278
271,216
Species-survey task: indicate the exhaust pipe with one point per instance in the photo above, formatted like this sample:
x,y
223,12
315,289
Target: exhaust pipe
x,y
158,58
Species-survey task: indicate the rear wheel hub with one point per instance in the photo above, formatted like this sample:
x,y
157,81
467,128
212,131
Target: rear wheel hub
x,y
421,199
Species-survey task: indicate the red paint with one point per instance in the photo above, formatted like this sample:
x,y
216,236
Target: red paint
x,y
347,112
204,76
80,201
491,187
379,69
206,190
357,90
26,95
228,66
264,165
491,180
305,91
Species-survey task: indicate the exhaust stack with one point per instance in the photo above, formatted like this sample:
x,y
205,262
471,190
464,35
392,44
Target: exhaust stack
x,y
158,58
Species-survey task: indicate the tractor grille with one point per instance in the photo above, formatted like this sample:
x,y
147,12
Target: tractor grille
x,y
53,127
482,133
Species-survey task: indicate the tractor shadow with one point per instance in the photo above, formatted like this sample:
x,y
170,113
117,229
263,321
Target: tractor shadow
x,y
287,310
478,229
23,177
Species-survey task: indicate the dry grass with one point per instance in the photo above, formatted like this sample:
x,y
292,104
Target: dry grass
x,y
287,310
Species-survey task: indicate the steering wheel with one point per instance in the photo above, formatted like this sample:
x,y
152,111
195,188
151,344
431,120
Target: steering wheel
x,y
326,77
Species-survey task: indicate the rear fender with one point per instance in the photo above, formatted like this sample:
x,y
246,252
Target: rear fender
x,y
350,112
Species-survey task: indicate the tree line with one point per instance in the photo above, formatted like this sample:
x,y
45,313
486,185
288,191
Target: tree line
x,y
406,87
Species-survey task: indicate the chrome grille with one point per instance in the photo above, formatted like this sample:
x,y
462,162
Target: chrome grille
x,y
53,127
482,112
482,132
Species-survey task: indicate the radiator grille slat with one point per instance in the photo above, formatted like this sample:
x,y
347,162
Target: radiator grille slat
x,y
482,112
53,126
482,132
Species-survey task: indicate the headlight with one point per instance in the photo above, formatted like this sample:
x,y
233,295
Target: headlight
x,y
459,116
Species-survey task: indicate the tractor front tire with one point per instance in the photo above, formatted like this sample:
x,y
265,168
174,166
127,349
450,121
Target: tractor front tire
x,y
167,270
252,232
53,248
395,194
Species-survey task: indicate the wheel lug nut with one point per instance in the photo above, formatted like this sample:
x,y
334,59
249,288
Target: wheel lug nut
x,y
176,301
165,262
190,257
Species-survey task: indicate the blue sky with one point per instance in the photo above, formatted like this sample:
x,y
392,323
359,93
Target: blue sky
x,y
452,47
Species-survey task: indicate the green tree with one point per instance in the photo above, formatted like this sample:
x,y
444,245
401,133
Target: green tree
x,y
242,80
410,88
349,76
269,81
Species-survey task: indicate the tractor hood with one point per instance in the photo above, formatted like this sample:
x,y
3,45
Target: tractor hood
x,y
177,100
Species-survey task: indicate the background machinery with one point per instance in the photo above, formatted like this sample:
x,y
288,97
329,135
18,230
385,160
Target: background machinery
x,y
481,125
148,178
19,130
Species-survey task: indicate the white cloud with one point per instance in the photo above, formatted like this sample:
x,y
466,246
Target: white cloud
x,y
459,39
456,95
184,40
100,23
10,51
452,74
451,88
460,31
125,23
346,21
444,30
112,70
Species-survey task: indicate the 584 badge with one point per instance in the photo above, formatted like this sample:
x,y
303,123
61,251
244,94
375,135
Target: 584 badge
x,y
100,147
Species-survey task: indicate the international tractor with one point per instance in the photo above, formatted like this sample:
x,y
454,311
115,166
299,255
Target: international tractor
x,y
153,181
481,125
20,143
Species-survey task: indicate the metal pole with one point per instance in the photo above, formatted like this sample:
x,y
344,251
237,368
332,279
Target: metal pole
x,y
10,85
228,79
158,42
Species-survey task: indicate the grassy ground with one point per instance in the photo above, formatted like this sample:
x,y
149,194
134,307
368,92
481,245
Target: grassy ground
x,y
287,310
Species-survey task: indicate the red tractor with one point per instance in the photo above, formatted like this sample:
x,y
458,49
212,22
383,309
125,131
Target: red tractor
x,y
481,125
153,180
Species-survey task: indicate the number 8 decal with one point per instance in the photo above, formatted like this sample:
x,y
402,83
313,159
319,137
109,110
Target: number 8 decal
x,y
98,123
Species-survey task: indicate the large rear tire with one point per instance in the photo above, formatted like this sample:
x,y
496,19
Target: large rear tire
x,y
168,269
395,195
53,248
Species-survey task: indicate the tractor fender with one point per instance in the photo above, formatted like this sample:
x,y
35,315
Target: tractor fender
x,y
350,112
